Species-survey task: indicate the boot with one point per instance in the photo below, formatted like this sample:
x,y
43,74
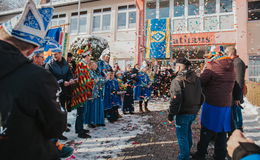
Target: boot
x,y
145,107
141,107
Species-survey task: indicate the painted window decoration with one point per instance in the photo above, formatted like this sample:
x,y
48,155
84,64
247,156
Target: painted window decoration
x,y
209,6
226,22
254,68
126,17
179,25
254,11
101,19
164,8
150,9
194,25
179,8
210,23
226,6
193,7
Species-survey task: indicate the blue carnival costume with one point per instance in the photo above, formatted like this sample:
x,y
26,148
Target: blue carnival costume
x,y
104,67
111,100
142,90
94,113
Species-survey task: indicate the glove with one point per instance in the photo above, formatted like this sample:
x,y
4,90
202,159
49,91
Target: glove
x,y
170,117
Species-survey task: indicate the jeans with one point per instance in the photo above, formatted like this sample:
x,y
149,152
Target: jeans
x,y
237,117
184,134
79,119
220,144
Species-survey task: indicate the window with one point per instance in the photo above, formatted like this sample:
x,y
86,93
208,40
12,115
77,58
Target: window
x,y
209,6
101,19
82,28
226,22
226,6
210,23
194,24
150,9
254,68
253,11
58,20
106,22
179,8
126,17
179,25
193,8
164,8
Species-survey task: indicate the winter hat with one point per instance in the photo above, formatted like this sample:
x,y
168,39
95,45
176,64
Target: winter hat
x,y
184,61
31,26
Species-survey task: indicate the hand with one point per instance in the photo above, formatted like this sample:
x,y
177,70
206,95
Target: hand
x,y
234,140
237,103
66,83
71,81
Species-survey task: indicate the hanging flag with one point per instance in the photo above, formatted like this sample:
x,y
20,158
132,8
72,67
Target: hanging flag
x,y
158,38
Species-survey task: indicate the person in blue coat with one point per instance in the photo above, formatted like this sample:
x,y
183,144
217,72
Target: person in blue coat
x,y
112,100
103,63
142,91
94,116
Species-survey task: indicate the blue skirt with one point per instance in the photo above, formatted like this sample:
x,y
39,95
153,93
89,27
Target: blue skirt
x,y
140,92
216,119
94,112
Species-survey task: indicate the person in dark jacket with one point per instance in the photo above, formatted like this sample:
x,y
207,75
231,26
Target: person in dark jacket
x,y
59,67
217,81
30,114
185,103
240,69
241,148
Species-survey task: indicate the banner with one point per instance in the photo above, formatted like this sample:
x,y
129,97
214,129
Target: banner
x,y
158,38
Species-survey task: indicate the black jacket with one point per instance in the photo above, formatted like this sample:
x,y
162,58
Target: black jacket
x,y
60,70
185,93
28,108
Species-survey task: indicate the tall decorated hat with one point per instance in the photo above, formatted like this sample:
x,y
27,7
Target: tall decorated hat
x,y
31,26
53,46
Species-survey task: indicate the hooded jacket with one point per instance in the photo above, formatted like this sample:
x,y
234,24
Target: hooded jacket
x,y
185,93
218,80
29,109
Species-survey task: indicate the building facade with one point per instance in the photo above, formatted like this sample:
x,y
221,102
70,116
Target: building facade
x,y
196,25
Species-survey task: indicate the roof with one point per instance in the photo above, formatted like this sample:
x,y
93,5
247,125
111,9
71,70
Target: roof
x,y
56,4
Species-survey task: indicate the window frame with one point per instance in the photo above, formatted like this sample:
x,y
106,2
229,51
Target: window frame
x,y
254,20
78,23
127,11
201,16
101,14
58,19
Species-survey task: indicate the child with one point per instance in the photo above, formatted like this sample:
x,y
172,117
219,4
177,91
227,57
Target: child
x,y
142,88
111,100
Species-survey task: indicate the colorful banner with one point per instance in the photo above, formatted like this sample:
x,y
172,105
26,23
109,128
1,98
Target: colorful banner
x,y
158,38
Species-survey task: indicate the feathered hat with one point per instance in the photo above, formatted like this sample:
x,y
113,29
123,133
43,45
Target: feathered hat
x,y
31,26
